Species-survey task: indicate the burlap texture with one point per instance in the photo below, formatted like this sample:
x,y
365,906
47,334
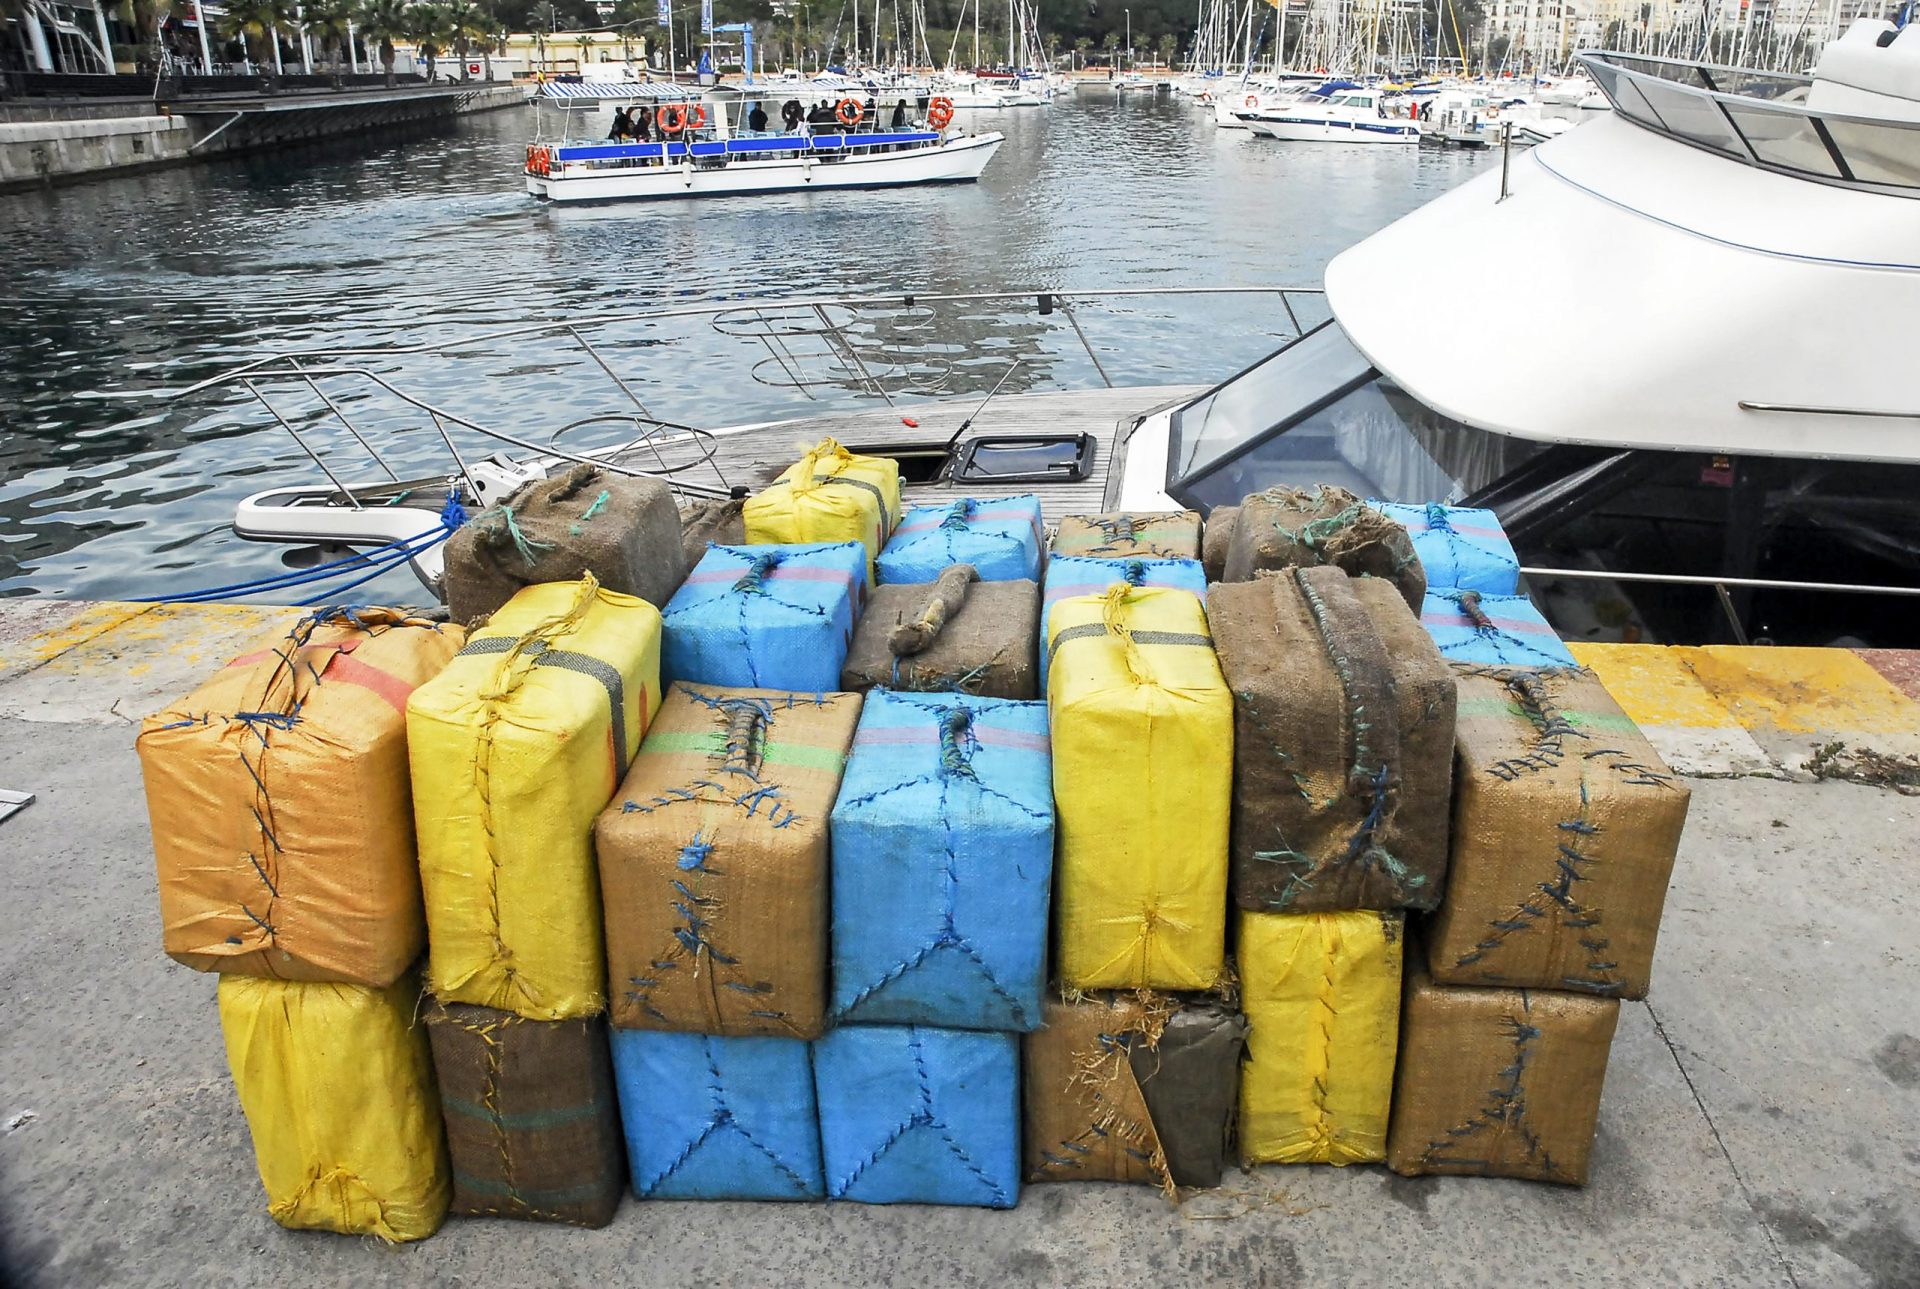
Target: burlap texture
x,y
280,803
1303,527
1191,1078
1086,1118
1499,1082
533,1128
1564,833
623,530
713,863
1217,541
985,644
712,523
1173,534
1343,740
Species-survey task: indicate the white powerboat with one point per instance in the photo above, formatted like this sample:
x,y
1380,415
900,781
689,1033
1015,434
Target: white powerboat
x,y
1347,114
700,150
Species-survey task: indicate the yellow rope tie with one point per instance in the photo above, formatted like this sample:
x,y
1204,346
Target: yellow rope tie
x,y
1322,1128
829,447
1113,615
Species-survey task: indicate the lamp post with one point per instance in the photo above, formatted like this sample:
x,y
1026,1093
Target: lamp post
x,y
1129,40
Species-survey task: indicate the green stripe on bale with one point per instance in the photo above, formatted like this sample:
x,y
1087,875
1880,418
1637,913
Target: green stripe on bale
x,y
714,743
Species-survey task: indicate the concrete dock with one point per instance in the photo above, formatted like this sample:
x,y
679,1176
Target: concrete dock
x,y
1761,1123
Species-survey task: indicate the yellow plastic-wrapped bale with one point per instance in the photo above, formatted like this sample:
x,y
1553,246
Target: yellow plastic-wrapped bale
x,y
338,1091
1321,992
829,495
516,746
278,792
1142,776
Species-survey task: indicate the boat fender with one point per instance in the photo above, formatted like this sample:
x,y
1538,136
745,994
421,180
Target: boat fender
x,y
671,118
940,112
849,111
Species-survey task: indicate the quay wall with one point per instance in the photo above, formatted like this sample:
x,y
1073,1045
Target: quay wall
x,y
43,145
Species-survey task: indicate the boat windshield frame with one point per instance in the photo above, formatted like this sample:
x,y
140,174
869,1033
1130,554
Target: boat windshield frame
x,y
1738,113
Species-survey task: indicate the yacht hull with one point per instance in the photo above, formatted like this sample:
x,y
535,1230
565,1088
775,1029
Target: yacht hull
x,y
1308,129
956,161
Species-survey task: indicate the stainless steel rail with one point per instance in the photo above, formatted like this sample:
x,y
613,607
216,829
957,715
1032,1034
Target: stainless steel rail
x,y
1721,587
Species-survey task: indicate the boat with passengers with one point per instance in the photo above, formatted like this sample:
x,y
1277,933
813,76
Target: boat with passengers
x,y
703,145
1337,112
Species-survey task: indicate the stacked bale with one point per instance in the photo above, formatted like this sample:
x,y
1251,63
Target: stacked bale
x,y
956,634
1460,548
766,617
1123,535
1492,630
284,841
1072,576
829,495
623,530
1303,527
1002,539
515,748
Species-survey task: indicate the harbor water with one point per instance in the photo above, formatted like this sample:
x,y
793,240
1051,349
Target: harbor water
x,y
121,290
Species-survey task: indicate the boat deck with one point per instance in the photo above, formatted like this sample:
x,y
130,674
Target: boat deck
x,y
754,455
1758,1126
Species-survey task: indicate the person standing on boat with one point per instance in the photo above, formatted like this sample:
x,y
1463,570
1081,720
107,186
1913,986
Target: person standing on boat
x,y
791,113
870,117
757,119
820,115
622,128
900,115
643,124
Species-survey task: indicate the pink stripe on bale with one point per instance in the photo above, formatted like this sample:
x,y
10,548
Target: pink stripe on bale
x,y
906,736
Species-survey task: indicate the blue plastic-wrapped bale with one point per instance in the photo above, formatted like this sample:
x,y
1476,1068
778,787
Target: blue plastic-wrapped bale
x,y
1461,548
766,617
1002,539
1073,575
1492,630
913,1115
718,1118
942,863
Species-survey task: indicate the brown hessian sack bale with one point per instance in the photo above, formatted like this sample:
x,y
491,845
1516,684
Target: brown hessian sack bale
x,y
1301,527
1132,1087
1217,541
1170,534
712,523
713,863
281,805
1343,743
1499,1082
952,635
533,1128
623,530
1565,828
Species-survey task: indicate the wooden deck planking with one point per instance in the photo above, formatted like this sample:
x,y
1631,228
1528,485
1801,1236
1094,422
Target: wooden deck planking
x,y
754,456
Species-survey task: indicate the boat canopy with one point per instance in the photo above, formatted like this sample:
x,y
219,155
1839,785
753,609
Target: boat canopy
x,y
619,91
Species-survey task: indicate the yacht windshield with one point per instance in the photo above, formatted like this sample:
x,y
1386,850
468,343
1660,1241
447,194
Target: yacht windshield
x,y
1316,412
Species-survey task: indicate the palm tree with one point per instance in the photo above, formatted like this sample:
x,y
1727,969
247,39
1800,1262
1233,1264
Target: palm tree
x,y
257,23
427,24
386,21
585,43
1081,44
468,24
146,17
327,22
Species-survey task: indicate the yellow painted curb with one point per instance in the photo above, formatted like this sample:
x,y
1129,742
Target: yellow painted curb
x,y
1654,685
1805,691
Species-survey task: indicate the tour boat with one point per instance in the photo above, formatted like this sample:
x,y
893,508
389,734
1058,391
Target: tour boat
x,y
707,152
1339,113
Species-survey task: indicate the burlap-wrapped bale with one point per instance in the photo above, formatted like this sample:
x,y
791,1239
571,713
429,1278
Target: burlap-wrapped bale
x,y
533,1129
1142,784
952,635
1217,541
718,1118
1460,548
1002,539
712,523
713,863
828,495
1167,534
1321,992
515,748
1492,630
943,864
281,808
1343,743
915,1115
1565,828
1499,1082
1137,1087
623,530
766,617
337,1087
1302,527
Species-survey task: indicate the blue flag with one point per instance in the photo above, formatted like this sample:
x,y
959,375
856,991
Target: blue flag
x,y
706,15
666,12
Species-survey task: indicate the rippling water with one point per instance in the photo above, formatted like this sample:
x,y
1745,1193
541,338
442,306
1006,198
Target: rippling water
x,y
153,282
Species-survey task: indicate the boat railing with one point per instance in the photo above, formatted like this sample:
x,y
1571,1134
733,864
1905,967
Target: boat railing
x,y
889,348
1760,119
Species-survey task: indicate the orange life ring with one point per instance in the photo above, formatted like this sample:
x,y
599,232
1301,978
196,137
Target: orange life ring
x,y
940,112
671,118
849,111
696,116
539,160
1253,100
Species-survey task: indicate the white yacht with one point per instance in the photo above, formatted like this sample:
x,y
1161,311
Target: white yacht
x,y
1339,113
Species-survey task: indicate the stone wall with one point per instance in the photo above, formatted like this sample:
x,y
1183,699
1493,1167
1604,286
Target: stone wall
x,y
41,152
